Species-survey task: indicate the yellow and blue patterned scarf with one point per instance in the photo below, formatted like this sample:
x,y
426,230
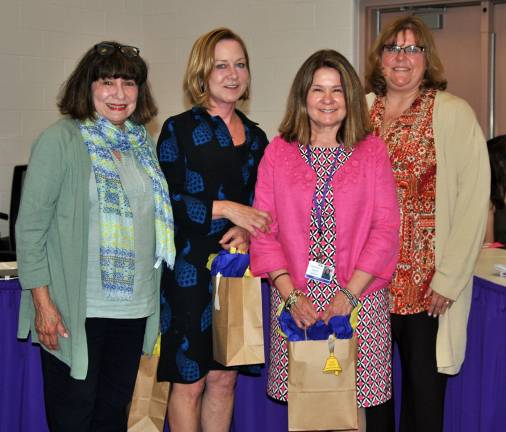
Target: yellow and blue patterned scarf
x,y
117,254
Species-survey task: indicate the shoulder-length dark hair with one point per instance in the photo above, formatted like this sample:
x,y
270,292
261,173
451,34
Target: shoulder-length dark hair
x,y
497,155
76,100
434,72
296,125
201,63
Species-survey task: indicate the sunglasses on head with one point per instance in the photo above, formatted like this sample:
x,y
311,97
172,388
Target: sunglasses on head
x,y
105,49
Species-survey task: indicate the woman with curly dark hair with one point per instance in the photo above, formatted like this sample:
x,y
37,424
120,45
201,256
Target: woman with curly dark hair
x,y
95,223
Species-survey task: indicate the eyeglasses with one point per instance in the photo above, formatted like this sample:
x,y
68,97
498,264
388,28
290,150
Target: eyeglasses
x,y
106,49
410,50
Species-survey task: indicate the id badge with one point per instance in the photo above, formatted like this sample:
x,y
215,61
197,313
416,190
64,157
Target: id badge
x,y
320,272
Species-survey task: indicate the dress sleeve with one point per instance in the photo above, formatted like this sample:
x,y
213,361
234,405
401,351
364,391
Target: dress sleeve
x,y
266,252
190,211
41,190
380,254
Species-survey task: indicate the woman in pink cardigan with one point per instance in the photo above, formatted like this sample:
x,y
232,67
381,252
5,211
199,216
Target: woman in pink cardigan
x,y
329,188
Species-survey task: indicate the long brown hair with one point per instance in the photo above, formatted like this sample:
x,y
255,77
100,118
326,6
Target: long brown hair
x,y
296,125
76,99
201,63
434,73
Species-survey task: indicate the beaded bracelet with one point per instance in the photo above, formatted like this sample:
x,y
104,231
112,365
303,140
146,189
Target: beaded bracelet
x,y
292,299
351,298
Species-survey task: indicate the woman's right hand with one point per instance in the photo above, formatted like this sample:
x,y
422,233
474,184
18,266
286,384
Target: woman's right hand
x,y
249,218
48,320
303,312
235,237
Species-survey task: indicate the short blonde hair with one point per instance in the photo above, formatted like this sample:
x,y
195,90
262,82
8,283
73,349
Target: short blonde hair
x,y
201,63
296,126
434,74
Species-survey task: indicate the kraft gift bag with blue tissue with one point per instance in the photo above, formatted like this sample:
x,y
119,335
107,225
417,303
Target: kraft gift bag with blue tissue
x,y
237,311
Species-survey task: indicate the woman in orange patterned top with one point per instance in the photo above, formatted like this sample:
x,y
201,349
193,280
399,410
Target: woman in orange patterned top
x,y
439,159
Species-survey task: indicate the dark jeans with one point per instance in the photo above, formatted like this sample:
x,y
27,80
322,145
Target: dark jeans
x,y
99,402
423,388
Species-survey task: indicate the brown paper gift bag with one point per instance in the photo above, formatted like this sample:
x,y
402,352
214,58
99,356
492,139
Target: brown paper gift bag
x,y
149,400
238,337
317,400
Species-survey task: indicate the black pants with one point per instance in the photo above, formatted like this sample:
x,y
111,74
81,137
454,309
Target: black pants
x,y
98,403
423,388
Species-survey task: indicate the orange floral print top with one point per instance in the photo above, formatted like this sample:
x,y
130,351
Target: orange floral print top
x,y
410,141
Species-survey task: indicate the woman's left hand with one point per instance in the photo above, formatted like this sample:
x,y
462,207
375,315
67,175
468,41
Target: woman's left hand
x,y
339,305
438,304
236,237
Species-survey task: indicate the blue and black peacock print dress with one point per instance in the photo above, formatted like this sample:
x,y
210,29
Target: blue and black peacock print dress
x,y
201,164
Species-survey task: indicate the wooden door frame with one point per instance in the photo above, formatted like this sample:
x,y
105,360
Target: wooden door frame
x,y
367,32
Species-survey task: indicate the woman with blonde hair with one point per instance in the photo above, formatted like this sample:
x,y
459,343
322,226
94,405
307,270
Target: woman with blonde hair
x,y
209,156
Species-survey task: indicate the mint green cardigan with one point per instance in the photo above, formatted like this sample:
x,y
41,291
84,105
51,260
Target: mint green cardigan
x,y
52,240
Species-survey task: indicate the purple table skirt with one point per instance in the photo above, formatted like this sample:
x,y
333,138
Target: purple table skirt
x,y
473,400
21,394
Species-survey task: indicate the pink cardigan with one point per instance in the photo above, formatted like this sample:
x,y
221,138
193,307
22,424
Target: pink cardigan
x,y
366,211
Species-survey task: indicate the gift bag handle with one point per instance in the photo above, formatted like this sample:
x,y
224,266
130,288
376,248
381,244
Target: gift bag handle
x,y
217,292
331,342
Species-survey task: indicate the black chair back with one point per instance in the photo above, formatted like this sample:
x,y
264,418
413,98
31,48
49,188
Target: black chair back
x,y
17,185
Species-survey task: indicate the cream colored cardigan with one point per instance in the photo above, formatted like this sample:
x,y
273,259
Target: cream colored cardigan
x,y
462,197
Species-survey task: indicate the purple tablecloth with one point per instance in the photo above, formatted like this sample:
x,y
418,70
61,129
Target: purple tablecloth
x,y
21,396
473,400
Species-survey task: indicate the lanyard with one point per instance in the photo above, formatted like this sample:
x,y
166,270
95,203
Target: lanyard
x,y
319,205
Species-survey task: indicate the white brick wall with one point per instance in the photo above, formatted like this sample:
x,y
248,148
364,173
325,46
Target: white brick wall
x,y
41,40
279,34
